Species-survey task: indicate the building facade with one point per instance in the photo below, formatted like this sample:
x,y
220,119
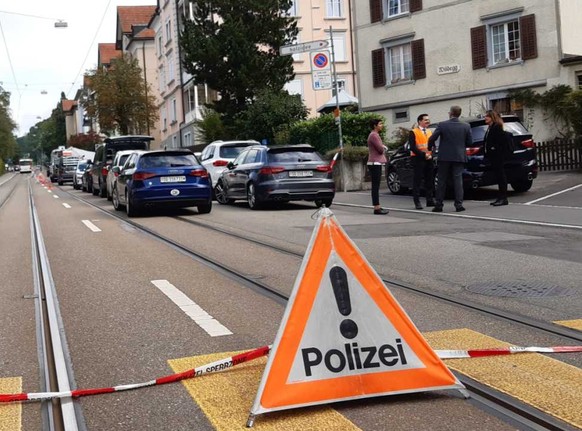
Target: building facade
x,y
323,20
422,56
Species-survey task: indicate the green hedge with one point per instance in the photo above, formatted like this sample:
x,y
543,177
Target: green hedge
x,y
1,166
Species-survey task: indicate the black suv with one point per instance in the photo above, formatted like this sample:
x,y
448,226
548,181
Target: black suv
x,y
521,168
104,154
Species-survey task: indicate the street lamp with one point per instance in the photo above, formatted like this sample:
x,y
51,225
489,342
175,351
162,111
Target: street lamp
x,y
59,23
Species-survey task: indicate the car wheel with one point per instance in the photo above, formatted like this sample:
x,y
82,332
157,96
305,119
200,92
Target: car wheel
x,y
221,195
321,202
522,186
115,199
393,181
60,182
130,209
252,198
205,209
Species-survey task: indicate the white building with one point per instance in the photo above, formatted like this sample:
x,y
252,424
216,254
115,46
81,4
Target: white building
x,y
422,56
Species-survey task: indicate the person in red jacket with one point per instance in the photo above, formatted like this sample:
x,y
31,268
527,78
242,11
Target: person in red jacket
x,y
422,161
376,162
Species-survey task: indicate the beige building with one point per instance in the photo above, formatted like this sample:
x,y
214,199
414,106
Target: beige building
x,y
315,17
422,56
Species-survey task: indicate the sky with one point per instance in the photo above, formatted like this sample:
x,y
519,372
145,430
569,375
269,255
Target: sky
x,y
39,61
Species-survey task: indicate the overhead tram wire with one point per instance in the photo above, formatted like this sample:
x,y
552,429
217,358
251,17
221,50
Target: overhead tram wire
x,y
89,49
12,69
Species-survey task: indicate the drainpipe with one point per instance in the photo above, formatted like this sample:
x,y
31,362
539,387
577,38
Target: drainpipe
x,y
180,70
145,79
353,44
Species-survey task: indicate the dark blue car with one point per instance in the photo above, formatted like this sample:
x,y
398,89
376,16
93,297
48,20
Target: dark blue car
x,y
168,179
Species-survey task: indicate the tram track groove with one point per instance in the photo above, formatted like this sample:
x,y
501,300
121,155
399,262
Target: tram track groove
x,y
506,407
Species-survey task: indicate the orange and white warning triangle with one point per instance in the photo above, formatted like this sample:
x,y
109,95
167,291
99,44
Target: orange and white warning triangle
x,y
344,336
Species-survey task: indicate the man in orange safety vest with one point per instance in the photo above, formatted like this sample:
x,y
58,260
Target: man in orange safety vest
x,y
422,161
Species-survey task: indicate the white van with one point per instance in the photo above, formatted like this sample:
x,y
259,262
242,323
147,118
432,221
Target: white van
x,y
25,166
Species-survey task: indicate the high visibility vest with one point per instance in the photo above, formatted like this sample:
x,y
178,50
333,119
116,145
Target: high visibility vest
x,y
421,140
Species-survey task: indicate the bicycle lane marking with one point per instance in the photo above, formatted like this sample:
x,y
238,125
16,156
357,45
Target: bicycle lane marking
x,y
552,195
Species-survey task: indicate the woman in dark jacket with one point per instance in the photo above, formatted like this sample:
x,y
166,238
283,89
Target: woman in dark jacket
x,y
495,149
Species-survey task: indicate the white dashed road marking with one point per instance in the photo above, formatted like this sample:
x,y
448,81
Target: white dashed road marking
x,y
212,326
66,205
91,226
553,194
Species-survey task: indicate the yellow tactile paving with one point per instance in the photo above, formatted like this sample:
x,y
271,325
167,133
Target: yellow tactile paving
x,y
574,324
226,398
545,383
10,414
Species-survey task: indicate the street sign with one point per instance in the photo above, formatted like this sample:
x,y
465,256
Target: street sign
x,y
321,70
303,47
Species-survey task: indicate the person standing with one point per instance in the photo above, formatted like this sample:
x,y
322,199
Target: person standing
x,y
454,136
376,161
495,150
421,161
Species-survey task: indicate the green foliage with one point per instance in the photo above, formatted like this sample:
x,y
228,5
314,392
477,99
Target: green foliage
x,y
211,128
561,104
322,132
351,153
122,103
271,113
8,147
233,47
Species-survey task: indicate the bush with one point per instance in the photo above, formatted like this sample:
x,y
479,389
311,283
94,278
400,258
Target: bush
x,y
2,168
357,153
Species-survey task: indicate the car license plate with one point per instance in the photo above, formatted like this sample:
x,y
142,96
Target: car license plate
x,y
300,173
178,179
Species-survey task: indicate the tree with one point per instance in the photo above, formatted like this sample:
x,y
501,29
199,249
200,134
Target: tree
x,y
271,113
85,141
122,101
8,147
233,46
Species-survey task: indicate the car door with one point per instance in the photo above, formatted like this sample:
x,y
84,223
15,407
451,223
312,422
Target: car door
x,y
243,172
232,177
125,176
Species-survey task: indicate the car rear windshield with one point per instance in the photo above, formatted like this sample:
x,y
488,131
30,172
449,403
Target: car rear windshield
x,y
293,156
167,160
231,151
514,127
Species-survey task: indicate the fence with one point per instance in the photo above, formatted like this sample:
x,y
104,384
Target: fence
x,y
559,155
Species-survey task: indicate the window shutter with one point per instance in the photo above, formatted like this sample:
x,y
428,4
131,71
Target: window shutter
x,y
415,5
418,63
378,68
527,29
479,47
376,10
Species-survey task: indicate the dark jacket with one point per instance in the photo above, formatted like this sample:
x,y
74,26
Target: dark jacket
x,y
454,136
495,143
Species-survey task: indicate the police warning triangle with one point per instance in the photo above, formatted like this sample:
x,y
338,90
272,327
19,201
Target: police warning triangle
x,y
344,336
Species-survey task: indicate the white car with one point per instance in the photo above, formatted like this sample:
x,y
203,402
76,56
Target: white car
x,y
79,171
119,160
217,154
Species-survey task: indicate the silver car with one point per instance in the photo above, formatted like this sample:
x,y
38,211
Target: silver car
x,y
119,160
217,154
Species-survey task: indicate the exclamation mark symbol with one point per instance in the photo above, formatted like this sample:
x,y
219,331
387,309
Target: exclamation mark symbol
x,y
339,282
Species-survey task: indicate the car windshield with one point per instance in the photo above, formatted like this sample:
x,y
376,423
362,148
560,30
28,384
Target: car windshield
x,y
231,151
293,156
82,166
167,160
122,160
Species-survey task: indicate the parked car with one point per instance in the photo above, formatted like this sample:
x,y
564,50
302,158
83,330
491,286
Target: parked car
x,y
82,165
104,154
87,179
521,168
119,160
217,154
172,179
263,174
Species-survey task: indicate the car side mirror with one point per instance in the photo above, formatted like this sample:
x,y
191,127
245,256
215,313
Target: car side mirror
x,y
230,165
116,170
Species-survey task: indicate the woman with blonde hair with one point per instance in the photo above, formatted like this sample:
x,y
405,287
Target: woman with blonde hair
x,y
495,151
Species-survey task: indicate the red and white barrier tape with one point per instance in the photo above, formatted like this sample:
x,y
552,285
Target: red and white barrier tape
x,y
224,364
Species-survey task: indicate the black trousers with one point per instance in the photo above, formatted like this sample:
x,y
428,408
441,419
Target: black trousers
x,y
423,170
497,166
444,170
376,176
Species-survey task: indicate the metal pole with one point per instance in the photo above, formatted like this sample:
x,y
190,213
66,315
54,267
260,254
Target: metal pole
x,y
338,119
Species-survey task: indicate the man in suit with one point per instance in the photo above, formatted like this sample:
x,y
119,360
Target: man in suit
x,y
454,136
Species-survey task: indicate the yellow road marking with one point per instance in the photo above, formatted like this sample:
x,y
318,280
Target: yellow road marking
x,y
226,399
574,324
545,383
10,414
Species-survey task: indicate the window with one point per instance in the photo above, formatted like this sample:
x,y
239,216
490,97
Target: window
x,y
401,115
171,69
505,42
188,139
168,28
579,80
253,156
294,9
190,98
294,87
162,78
159,48
503,39
399,63
339,45
164,117
334,8
175,141
207,153
173,111
397,7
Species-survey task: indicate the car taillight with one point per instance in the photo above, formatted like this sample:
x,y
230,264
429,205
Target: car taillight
x,y
471,151
219,163
141,176
201,173
270,170
104,171
324,168
528,143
